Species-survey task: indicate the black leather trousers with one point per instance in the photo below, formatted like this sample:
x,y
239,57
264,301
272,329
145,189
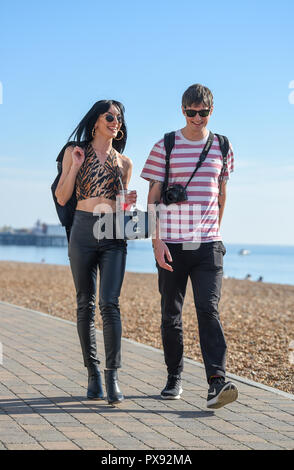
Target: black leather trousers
x,y
86,255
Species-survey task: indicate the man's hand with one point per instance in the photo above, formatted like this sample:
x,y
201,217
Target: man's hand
x,y
160,252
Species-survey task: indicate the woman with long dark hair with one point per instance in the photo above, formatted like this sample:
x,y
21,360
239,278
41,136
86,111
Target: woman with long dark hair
x,y
96,169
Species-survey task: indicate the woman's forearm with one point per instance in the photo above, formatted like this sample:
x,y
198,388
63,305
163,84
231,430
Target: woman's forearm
x,y
64,192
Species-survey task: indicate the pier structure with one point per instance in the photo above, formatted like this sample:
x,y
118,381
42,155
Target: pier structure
x,y
39,235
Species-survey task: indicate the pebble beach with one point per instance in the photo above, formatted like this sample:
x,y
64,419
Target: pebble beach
x,y
258,318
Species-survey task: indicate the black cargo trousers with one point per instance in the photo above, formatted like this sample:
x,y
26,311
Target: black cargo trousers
x,y
204,265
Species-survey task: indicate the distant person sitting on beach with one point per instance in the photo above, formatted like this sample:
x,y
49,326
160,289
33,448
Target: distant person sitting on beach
x,y
96,169
260,279
248,277
177,255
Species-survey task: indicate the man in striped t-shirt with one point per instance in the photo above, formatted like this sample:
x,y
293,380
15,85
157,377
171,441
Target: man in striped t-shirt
x,y
187,243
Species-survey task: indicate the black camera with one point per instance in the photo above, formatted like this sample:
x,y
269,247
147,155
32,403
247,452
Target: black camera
x,y
175,193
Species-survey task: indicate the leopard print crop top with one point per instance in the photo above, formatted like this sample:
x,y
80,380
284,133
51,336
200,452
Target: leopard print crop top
x,y
95,179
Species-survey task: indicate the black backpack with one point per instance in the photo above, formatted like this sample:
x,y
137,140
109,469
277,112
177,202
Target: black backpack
x,y
65,213
169,142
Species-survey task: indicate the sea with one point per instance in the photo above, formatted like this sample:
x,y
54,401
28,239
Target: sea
x,y
267,263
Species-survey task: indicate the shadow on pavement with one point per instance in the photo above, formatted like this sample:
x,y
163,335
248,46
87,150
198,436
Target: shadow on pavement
x,y
80,404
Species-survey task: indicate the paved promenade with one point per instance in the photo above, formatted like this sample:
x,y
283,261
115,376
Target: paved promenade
x,y
43,401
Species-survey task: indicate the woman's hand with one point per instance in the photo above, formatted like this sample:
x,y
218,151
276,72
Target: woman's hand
x,y
78,157
131,198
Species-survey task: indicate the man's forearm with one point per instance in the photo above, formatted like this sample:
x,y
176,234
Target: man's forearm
x,y
222,201
161,251
221,206
153,200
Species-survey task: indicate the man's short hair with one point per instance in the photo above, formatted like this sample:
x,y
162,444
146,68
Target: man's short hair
x,y
197,94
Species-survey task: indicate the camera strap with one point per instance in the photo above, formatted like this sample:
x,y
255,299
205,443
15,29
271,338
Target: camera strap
x,y
169,141
202,155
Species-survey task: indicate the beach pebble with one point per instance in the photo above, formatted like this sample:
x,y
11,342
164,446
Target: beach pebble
x,y
258,318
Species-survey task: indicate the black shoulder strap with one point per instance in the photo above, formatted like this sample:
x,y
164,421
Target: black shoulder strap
x,y
224,146
169,142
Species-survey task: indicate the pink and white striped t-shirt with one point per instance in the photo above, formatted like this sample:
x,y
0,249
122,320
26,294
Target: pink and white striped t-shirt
x,y
197,218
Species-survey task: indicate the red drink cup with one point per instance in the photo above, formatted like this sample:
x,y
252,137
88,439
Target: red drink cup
x,y
123,205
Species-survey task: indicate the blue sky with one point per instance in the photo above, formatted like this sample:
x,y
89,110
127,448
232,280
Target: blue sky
x,y
57,58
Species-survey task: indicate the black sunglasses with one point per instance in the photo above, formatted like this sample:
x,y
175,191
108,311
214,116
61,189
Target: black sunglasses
x,y
110,118
193,112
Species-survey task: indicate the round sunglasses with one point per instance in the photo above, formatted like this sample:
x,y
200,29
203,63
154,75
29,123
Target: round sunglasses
x,y
110,118
193,112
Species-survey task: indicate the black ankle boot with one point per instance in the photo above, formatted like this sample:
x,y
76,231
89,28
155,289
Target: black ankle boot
x,y
95,390
114,394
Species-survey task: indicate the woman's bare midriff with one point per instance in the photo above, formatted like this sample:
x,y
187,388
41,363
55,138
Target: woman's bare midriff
x,y
96,204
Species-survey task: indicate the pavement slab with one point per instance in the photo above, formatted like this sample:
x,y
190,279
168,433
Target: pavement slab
x,y
43,403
